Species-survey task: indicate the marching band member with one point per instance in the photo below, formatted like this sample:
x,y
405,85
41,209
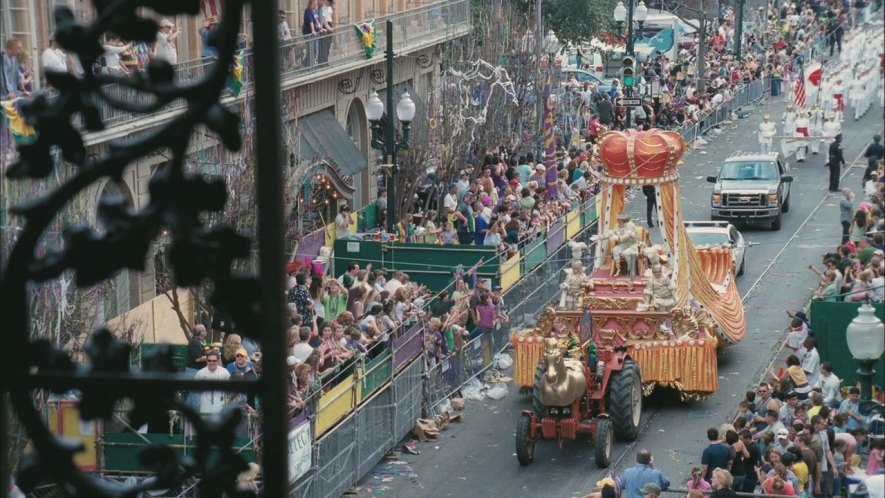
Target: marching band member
x,y
802,125
838,98
826,95
857,94
789,129
830,129
767,131
816,124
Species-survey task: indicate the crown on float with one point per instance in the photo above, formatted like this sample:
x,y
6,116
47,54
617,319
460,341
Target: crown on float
x,y
641,157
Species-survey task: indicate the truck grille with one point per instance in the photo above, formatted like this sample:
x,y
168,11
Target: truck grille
x,y
743,200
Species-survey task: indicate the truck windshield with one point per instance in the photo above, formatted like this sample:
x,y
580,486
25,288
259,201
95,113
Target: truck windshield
x,y
749,171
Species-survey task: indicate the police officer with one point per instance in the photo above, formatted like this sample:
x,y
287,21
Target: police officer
x,y
874,153
836,160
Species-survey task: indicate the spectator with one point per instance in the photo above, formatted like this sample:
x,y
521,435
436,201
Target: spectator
x,y
310,28
165,48
11,86
207,50
283,27
212,402
325,17
301,297
851,408
722,482
302,348
634,479
715,456
196,349
54,58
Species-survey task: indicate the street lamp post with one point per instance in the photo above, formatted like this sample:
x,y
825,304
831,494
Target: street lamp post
x,y
384,134
637,15
866,343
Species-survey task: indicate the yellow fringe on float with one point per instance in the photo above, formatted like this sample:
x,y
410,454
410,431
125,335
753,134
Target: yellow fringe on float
x,y
689,368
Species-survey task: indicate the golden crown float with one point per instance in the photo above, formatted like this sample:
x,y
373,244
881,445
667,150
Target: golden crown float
x,y
669,306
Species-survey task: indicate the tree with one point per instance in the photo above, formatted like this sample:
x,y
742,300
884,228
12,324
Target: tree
x,y
579,20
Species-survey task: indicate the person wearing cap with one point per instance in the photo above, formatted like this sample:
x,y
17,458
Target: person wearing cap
x,y
650,490
539,175
635,479
782,440
241,364
164,48
835,162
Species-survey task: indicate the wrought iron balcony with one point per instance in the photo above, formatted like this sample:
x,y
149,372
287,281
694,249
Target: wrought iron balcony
x,y
416,29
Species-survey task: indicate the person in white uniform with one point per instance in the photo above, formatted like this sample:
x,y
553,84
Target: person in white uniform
x,y
816,125
767,131
802,125
831,128
839,99
789,130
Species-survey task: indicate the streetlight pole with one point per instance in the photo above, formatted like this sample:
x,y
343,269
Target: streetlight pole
x,y
738,30
639,14
385,139
390,134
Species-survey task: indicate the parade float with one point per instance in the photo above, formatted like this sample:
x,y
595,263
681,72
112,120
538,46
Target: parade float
x,y
670,306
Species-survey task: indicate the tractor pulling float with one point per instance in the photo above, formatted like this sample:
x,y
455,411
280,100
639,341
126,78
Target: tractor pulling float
x,y
646,315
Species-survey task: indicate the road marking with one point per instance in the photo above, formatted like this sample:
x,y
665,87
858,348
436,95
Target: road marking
x,y
796,233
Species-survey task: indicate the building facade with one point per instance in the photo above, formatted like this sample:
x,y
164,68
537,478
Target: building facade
x,y
326,80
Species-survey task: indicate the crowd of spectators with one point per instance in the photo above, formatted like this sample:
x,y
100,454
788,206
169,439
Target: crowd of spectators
x,y
855,271
336,322
670,90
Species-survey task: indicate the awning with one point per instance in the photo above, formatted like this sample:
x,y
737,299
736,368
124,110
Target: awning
x,y
323,139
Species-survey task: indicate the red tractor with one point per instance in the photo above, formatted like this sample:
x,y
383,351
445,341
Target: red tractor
x,y
570,398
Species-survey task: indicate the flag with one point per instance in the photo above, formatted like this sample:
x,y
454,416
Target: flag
x,y
799,91
367,36
22,132
211,8
235,79
814,74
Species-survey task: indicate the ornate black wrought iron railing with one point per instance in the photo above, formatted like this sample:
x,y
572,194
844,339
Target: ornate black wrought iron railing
x,y
197,253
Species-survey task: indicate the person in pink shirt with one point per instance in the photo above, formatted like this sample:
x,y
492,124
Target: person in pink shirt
x,y
876,465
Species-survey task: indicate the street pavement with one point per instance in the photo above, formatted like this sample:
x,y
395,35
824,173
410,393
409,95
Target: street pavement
x,y
476,457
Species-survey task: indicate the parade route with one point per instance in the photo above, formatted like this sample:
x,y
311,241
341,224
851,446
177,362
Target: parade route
x,y
479,452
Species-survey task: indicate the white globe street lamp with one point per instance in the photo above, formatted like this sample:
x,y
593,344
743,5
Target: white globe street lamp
x,y
866,341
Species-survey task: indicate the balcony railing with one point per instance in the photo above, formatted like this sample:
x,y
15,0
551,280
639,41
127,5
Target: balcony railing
x,y
415,28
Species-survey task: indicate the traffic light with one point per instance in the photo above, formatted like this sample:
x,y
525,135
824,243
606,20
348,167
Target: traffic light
x,y
628,72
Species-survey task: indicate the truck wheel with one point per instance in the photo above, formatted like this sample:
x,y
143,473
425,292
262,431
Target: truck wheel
x,y
741,269
537,405
602,443
786,206
625,401
776,224
525,448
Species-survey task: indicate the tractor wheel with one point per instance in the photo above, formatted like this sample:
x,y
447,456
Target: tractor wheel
x,y
525,449
625,401
602,442
537,404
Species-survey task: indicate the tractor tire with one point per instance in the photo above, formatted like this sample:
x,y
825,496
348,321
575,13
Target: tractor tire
x,y
537,404
602,443
525,449
625,401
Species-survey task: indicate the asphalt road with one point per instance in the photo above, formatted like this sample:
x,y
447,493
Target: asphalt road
x,y
476,458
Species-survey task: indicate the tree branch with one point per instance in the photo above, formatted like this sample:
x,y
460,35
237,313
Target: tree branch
x,y
176,307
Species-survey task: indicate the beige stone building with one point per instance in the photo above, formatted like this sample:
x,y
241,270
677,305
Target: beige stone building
x,y
325,81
